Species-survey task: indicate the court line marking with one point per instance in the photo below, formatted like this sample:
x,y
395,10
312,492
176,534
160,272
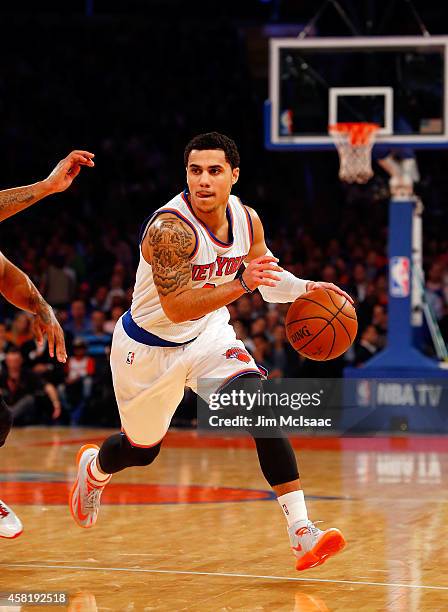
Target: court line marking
x,y
192,573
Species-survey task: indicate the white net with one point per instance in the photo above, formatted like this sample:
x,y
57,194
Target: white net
x,y
354,142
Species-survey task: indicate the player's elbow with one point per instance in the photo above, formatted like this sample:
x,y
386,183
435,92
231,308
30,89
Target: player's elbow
x,y
175,315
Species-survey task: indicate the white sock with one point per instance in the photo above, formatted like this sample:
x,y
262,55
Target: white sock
x,y
293,506
96,473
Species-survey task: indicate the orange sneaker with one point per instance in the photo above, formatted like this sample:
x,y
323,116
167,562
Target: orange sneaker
x,y
312,546
86,492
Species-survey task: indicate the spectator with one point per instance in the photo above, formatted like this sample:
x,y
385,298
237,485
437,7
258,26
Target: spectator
x,y
233,312
116,313
379,320
21,329
79,323
367,346
244,309
57,284
261,351
63,318
258,305
20,388
272,320
243,335
37,359
434,289
98,341
79,372
359,283
5,344
258,326
278,354
116,294
329,274
98,302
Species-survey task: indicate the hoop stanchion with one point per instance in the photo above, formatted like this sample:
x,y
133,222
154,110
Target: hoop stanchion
x,y
354,142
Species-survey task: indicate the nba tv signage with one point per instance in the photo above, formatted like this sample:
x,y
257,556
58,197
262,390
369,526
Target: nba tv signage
x,y
418,405
391,393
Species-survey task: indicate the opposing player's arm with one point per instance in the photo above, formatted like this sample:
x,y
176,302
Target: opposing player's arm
x,y
289,286
168,246
14,200
18,289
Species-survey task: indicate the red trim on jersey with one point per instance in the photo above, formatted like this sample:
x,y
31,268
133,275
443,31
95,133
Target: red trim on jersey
x,y
249,223
187,221
237,375
214,239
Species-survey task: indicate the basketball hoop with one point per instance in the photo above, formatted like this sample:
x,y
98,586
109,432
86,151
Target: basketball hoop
x,y
354,142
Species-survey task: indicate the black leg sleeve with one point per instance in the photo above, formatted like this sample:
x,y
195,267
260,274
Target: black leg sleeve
x,y
277,460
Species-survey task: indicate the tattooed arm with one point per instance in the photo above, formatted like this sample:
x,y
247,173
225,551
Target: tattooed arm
x,y
168,246
14,200
18,289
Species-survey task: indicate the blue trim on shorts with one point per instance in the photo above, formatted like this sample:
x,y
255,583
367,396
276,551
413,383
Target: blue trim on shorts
x,y
143,336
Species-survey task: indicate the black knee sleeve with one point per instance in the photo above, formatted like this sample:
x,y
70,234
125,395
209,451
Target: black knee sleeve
x,y
117,453
5,421
275,454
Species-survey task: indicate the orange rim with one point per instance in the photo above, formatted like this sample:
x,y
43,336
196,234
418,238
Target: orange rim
x,y
358,133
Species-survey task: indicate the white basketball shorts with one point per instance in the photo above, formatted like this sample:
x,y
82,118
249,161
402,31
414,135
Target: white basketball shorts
x,y
149,381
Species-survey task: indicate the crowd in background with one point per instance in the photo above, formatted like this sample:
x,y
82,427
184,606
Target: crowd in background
x,y
136,115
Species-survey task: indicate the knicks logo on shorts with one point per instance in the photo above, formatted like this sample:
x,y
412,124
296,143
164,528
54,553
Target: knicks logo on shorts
x,y
237,353
130,358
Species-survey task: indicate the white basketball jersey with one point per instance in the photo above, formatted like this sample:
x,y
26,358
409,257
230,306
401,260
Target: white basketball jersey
x,y
213,263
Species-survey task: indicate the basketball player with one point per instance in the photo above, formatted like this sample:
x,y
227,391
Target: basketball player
x,y
177,331
18,289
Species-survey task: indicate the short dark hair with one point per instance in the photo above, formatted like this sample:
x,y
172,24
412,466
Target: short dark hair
x,y
214,140
13,350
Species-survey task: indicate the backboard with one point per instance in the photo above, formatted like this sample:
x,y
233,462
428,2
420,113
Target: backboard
x,y
397,82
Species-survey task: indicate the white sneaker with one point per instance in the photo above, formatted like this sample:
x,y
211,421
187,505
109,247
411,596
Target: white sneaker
x,y
312,546
10,525
86,492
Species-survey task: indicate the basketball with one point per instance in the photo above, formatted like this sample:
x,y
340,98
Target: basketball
x,y
321,324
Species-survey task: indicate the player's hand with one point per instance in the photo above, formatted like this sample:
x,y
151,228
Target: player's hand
x,y
260,272
45,322
330,286
68,169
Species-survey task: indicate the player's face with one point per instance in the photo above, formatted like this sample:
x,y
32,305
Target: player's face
x,y
210,179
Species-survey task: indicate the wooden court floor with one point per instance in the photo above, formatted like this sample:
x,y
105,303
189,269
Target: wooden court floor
x,y
199,529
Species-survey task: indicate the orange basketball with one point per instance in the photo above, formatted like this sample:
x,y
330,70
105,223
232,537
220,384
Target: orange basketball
x,y
321,324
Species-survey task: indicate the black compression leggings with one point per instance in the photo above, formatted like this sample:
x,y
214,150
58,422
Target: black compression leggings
x,y
276,456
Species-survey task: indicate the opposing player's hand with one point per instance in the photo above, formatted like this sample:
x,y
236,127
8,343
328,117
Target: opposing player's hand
x,y
260,271
330,286
45,322
68,169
